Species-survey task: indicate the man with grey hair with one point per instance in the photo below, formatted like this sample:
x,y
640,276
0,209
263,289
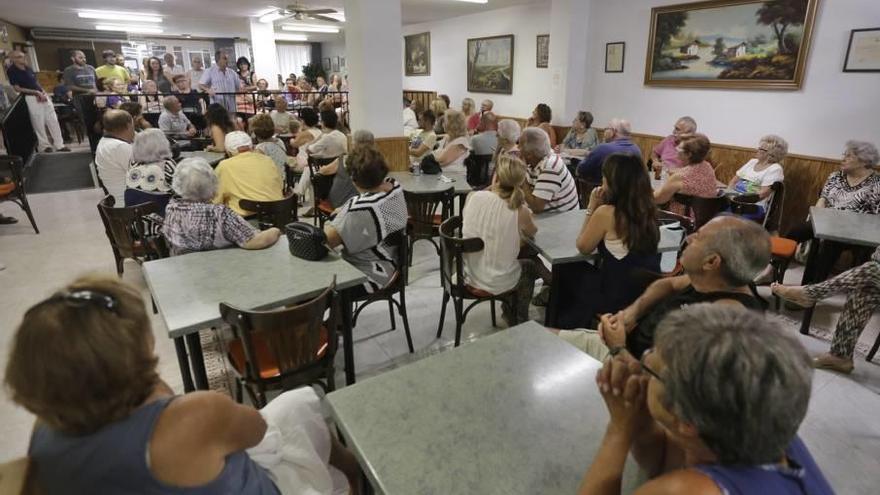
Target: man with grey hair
x,y
665,154
617,140
474,120
173,122
552,186
719,262
246,174
39,104
724,388
113,154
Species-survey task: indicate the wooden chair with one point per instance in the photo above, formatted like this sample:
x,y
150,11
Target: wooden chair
x,y
584,188
452,250
397,285
321,185
478,170
18,477
424,221
126,230
272,213
283,348
13,191
701,209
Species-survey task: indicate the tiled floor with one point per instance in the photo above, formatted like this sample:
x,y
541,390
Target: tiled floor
x,y
841,428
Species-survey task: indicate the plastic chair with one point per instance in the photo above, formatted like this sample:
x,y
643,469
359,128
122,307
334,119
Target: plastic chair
x,y
14,191
272,213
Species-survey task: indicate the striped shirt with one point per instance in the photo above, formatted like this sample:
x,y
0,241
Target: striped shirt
x,y
553,183
222,81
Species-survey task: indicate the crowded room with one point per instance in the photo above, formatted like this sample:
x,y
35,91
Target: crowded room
x,y
329,247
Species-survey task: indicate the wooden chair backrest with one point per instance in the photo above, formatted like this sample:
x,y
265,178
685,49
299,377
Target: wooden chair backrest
x,y
125,225
452,250
272,213
422,207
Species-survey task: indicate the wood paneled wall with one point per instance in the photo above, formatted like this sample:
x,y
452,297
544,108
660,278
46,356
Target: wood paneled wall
x,y
423,97
396,152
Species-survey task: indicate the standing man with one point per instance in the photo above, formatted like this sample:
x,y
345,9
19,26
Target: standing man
x,y
171,69
111,70
221,79
80,79
195,74
39,104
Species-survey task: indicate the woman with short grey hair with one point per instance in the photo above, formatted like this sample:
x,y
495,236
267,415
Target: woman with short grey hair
x,y
152,169
193,223
343,188
759,174
509,132
696,426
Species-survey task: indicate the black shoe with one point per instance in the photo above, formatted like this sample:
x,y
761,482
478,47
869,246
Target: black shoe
x,y
7,220
48,150
64,149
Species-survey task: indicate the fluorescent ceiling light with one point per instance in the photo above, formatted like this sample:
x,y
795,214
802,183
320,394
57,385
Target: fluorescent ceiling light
x,y
310,28
474,1
339,16
119,16
129,28
271,17
291,37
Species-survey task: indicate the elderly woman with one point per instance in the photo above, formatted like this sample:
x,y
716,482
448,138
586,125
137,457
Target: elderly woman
x,y
696,178
455,145
759,174
581,138
541,117
193,223
696,428
508,137
665,153
468,108
152,170
439,107
106,422
343,188
151,102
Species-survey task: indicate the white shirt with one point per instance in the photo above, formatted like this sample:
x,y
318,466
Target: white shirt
x,y
176,125
410,121
750,181
456,165
329,145
112,159
495,269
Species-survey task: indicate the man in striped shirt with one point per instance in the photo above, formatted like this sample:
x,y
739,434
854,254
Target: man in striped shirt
x,y
552,186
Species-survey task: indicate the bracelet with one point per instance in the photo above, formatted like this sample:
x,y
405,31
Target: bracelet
x,y
615,350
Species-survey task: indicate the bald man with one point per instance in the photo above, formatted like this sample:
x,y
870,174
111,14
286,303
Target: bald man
x,y
113,155
39,105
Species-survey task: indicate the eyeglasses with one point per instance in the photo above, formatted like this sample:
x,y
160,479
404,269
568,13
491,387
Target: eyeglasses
x,y
762,149
647,369
83,298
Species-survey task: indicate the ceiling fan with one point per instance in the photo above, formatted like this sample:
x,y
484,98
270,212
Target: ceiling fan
x,y
301,13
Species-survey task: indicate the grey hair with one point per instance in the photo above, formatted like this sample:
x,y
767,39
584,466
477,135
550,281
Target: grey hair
x,y
150,146
777,147
490,102
363,137
621,127
509,130
295,125
744,248
691,123
166,102
535,141
864,152
735,376
195,180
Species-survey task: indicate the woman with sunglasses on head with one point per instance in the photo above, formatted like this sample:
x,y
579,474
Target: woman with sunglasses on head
x,y
697,428
83,361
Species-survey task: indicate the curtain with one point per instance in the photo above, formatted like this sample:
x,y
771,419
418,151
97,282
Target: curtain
x,y
292,58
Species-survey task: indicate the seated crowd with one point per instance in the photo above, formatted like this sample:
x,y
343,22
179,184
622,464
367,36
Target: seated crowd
x,y
668,342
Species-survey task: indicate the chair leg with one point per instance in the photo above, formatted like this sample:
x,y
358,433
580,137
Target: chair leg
x,y
459,316
870,355
442,313
401,306
331,380
391,314
238,392
119,262
27,210
492,306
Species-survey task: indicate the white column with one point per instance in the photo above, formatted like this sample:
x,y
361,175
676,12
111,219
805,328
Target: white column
x,y
569,58
374,50
265,57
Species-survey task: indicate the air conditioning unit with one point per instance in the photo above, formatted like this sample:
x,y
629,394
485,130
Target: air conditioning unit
x,y
48,33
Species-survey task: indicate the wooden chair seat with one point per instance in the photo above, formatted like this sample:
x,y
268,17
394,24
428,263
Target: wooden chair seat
x,y
13,168
476,292
265,357
324,206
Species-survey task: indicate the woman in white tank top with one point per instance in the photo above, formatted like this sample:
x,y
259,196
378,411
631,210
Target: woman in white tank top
x,y
455,146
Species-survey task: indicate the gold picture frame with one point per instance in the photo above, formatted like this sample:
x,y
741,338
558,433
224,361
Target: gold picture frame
x,y
731,44
417,54
490,64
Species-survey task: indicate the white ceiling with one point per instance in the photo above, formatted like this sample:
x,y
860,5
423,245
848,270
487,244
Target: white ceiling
x,y
217,18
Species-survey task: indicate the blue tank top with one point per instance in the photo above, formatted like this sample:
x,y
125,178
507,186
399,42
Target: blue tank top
x,y
114,460
801,477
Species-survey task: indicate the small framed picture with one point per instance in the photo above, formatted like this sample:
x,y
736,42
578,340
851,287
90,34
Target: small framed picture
x,y
863,51
614,55
326,64
342,62
335,64
542,51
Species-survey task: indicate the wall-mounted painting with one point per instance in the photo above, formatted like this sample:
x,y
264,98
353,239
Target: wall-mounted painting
x,y
542,51
730,44
490,64
863,51
417,54
326,64
335,64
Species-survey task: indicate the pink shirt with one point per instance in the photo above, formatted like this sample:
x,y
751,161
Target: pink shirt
x,y
473,121
697,180
667,152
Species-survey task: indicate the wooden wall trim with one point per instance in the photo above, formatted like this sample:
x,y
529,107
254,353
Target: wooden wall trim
x,y
396,152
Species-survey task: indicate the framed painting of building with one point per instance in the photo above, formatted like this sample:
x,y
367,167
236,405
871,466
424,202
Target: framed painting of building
x,y
417,54
542,51
741,44
490,64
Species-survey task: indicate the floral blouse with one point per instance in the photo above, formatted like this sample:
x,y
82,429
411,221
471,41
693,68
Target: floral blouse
x,y
588,141
861,198
151,177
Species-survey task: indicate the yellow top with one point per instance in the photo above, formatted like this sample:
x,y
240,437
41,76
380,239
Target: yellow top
x,y
111,71
247,175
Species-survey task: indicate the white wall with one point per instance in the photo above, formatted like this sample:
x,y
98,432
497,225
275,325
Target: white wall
x,y
331,50
831,106
449,56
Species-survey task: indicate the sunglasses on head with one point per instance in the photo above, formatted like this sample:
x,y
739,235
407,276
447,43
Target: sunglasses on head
x,y
82,298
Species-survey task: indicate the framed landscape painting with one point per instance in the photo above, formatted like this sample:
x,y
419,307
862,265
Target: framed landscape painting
x,y
417,54
490,64
730,44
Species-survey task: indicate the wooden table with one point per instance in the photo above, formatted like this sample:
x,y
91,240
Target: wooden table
x,y
188,290
555,241
832,225
517,412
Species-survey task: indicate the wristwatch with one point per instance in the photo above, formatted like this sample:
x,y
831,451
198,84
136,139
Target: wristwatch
x,y
616,349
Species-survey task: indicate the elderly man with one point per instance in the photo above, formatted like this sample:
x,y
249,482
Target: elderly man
x,y
39,104
110,70
617,140
474,120
173,122
221,79
486,140
714,409
552,186
665,154
113,155
720,261
246,174
280,117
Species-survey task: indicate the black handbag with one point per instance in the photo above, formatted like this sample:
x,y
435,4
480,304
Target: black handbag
x,y
306,241
430,165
